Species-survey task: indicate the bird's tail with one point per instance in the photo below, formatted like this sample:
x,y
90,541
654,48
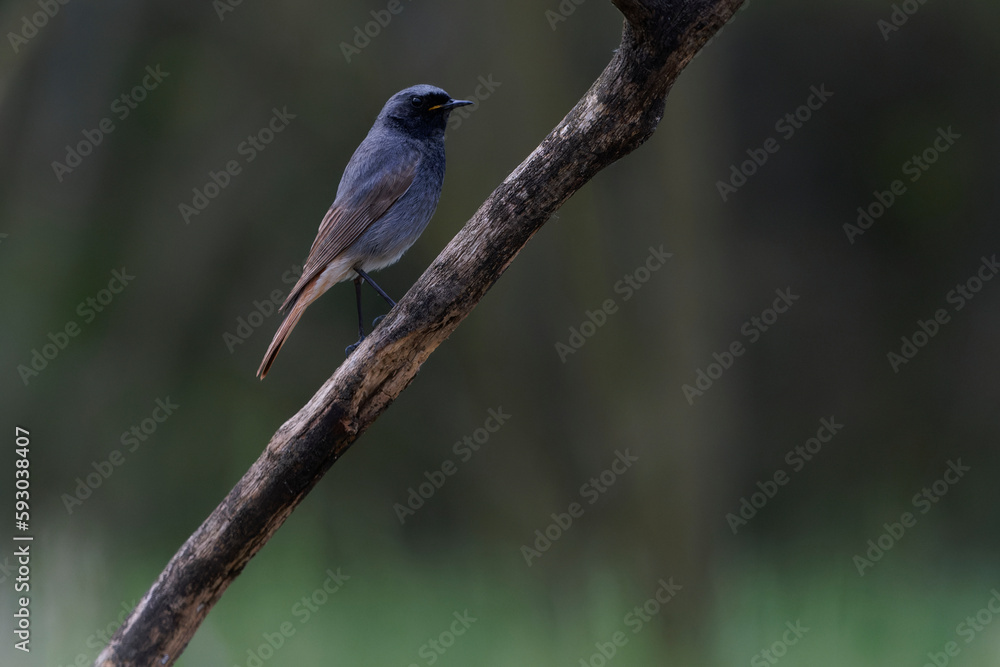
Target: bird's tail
x,y
312,284
284,330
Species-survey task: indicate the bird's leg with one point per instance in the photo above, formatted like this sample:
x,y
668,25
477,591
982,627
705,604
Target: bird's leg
x,y
361,327
368,279
357,294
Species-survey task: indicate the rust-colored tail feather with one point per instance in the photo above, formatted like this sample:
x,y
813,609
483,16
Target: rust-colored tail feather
x,y
283,331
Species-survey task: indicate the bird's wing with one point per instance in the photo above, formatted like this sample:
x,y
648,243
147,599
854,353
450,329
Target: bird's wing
x,y
349,216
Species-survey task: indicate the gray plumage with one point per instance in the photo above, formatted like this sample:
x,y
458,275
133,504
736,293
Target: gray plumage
x,y
386,197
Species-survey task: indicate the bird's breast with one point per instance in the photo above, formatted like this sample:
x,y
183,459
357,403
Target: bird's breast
x,y
385,241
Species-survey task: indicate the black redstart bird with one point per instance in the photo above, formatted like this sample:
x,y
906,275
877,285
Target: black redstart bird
x,y
385,199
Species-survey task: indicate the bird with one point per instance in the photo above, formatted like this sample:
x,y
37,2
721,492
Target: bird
x,y
386,196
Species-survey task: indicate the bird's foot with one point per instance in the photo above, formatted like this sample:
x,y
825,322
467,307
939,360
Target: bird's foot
x,y
352,347
377,320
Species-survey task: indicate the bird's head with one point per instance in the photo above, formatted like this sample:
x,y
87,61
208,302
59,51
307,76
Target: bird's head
x,y
421,111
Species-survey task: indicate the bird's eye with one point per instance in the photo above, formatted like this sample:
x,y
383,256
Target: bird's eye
x,y
417,102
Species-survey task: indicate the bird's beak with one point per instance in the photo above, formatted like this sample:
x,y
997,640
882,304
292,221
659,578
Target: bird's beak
x,y
450,104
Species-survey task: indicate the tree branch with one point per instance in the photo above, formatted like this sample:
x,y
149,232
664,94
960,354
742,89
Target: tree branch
x,y
619,112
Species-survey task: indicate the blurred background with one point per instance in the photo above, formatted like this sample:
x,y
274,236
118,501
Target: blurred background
x,y
765,504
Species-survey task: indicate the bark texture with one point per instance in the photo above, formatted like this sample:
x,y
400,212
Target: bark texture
x,y
616,115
